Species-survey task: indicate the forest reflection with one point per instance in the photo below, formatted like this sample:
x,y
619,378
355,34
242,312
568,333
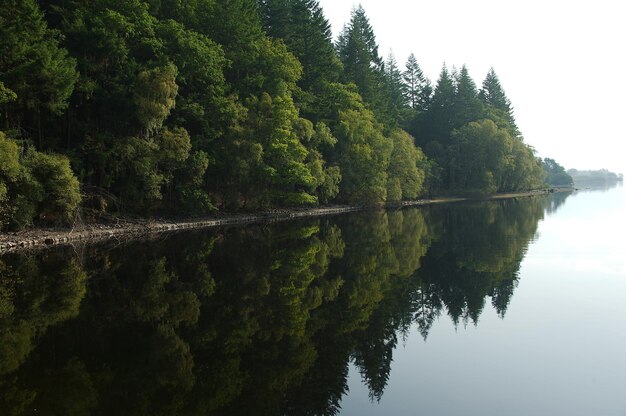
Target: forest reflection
x,y
261,320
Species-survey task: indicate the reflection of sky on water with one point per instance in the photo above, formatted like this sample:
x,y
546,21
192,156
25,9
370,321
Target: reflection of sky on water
x,y
587,235
558,350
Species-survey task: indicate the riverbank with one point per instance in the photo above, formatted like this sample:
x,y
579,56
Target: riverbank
x,y
128,229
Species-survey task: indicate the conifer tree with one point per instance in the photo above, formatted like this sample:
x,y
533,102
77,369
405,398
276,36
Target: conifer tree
x,y
417,87
439,117
396,91
467,106
301,24
499,106
37,75
363,66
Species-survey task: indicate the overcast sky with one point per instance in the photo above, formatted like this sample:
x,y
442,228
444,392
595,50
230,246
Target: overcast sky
x,y
561,63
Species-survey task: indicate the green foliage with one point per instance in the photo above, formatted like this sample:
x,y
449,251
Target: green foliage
x,y
438,123
6,95
556,174
169,106
306,32
485,159
405,167
362,64
155,96
161,172
499,107
36,72
35,186
363,154
417,87
467,105
398,107
61,189
327,177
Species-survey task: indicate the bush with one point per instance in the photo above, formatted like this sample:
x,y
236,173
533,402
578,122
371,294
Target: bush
x,y
36,186
61,189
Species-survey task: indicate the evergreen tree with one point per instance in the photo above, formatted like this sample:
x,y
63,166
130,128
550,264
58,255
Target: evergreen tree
x,y
37,76
439,122
363,66
396,91
417,87
498,105
467,106
301,24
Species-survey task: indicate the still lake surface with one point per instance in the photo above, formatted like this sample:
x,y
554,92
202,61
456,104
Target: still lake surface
x,y
511,307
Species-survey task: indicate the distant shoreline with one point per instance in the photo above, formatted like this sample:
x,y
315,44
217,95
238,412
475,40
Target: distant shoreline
x,y
40,237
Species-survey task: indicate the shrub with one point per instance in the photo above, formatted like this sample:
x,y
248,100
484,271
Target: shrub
x,y
61,189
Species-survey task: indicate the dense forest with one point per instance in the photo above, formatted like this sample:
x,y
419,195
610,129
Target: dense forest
x,y
165,107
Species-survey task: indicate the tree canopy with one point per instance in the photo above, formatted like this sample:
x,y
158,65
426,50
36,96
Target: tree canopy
x,y
166,107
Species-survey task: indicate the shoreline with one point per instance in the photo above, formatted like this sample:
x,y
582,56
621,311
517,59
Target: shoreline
x,y
92,233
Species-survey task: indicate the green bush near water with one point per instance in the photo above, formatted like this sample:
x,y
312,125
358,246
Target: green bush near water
x,y
35,187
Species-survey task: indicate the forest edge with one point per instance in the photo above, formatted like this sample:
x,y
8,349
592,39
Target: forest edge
x,y
127,229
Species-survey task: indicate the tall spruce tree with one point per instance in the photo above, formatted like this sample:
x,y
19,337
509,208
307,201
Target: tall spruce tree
x,y
439,118
301,24
363,66
467,106
398,105
417,87
498,104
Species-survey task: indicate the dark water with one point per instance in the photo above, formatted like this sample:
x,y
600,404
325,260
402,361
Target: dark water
x,y
510,307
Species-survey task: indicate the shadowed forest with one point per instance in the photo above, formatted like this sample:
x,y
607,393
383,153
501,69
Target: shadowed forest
x,y
260,320
163,107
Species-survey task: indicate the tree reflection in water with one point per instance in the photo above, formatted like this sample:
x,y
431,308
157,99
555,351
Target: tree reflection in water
x,y
257,320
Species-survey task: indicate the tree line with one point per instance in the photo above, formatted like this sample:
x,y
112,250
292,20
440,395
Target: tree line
x,y
181,108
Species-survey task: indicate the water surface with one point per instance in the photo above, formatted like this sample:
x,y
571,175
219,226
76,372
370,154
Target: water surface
x,y
509,307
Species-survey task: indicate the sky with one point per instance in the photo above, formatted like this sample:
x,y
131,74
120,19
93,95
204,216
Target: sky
x,y
561,63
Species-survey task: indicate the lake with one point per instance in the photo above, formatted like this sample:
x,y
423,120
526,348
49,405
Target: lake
x,y
507,307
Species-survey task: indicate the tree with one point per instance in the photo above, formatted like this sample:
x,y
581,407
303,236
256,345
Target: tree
x,y
556,174
467,106
155,96
439,119
417,87
364,154
398,105
499,107
301,24
37,75
406,168
363,66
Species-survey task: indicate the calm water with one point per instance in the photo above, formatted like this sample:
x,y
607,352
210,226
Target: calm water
x,y
500,308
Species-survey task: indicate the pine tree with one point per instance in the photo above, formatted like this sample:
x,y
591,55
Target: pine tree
x,y
439,117
417,87
306,32
362,64
396,91
499,106
467,106
37,75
